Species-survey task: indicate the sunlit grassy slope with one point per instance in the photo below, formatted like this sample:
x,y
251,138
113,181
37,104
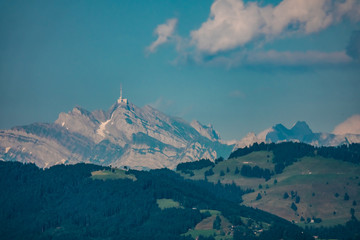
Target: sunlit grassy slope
x,y
112,174
320,183
164,203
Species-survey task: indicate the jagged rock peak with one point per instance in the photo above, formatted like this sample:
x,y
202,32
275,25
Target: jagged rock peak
x,y
206,130
303,127
124,135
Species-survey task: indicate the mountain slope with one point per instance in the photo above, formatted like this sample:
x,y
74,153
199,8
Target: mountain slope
x,y
86,201
125,135
322,183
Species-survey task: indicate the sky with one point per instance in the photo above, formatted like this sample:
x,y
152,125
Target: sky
x,y
242,66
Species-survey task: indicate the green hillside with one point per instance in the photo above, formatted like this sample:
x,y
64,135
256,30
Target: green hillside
x,y
320,184
85,201
315,185
265,192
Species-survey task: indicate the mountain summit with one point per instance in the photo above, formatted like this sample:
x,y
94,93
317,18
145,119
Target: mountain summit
x,y
124,135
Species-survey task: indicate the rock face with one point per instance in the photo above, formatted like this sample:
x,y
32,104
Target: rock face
x,y
125,135
300,132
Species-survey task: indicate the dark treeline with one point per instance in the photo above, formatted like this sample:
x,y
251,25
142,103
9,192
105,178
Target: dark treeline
x,y
63,202
351,230
287,153
194,165
256,171
348,153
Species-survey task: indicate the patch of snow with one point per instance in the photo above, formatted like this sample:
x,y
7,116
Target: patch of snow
x,y
7,149
62,161
252,138
262,136
62,124
101,129
349,126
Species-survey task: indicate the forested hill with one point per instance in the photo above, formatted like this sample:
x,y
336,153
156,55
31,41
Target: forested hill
x,y
92,202
287,153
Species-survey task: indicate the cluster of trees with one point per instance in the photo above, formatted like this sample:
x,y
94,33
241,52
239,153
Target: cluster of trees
x,y
64,202
351,230
287,153
256,171
196,165
348,153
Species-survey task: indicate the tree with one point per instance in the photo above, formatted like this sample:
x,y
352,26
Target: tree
x,y
258,197
222,173
352,211
354,203
293,207
227,170
217,223
279,167
286,195
346,197
218,160
297,199
209,172
237,170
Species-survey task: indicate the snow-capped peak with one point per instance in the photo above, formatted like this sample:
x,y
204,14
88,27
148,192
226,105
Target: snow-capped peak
x,y
349,126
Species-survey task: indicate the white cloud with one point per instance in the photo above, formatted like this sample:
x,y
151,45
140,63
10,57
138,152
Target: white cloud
x,y
162,104
288,58
350,125
164,34
272,57
233,23
171,107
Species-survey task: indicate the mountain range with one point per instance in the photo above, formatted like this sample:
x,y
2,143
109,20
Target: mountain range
x,y
299,132
125,135
140,138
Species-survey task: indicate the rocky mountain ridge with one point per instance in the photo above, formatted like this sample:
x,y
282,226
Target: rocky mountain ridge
x,y
141,138
125,135
299,132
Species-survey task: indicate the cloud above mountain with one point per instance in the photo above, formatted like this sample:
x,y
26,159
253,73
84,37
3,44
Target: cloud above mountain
x,y
164,34
349,126
236,32
233,23
273,57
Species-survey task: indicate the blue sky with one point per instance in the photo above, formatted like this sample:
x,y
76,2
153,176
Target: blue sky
x,y
240,65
